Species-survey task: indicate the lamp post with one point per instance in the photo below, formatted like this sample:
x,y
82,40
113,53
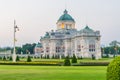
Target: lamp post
x,y
14,41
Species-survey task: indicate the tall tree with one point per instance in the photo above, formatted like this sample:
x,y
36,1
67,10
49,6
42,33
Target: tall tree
x,y
115,44
67,61
28,48
74,59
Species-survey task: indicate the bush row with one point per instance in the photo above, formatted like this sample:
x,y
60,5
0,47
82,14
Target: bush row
x,y
56,63
32,63
94,63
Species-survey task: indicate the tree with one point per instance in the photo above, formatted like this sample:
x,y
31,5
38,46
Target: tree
x,y
10,58
29,59
115,45
28,48
47,57
67,61
17,58
74,59
93,57
113,69
17,49
4,58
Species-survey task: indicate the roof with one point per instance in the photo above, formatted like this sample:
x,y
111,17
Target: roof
x,y
66,17
86,30
47,35
38,45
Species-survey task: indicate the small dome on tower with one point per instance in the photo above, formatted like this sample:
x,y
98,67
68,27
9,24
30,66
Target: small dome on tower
x,y
66,17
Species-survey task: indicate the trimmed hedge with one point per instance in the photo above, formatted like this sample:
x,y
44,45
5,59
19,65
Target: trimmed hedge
x,y
17,58
74,59
43,63
67,61
29,59
113,69
94,63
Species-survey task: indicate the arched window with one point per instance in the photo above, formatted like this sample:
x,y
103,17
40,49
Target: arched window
x,y
47,49
92,46
79,48
57,49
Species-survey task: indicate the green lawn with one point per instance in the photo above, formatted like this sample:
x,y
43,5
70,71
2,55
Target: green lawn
x,y
8,72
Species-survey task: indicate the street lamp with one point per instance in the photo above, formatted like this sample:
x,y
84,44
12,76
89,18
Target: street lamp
x,y
14,40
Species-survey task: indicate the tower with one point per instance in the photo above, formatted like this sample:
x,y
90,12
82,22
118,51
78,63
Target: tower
x,y
65,21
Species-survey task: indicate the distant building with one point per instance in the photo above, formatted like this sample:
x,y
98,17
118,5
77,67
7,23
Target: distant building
x,y
67,40
38,49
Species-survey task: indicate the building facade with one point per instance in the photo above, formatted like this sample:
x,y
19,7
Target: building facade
x,y
67,40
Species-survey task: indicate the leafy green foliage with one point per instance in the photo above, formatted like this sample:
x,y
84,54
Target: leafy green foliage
x,y
5,49
17,58
10,58
67,61
29,59
0,58
28,48
74,59
93,57
48,57
4,58
113,70
81,57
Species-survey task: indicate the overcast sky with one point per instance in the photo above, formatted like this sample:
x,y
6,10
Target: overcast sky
x,y
35,17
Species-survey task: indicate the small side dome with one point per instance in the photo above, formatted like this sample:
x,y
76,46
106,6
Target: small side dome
x,y
66,17
39,45
86,30
47,35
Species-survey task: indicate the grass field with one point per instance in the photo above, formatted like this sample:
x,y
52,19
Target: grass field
x,y
9,72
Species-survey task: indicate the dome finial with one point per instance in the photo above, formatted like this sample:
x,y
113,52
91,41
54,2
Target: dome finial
x,y
65,12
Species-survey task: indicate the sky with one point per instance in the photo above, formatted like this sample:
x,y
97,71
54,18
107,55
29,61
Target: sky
x,y
35,17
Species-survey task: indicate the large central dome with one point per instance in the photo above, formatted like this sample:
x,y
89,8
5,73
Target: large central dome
x,y
66,17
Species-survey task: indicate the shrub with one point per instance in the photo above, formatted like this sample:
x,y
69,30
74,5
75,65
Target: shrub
x,y
29,59
17,58
53,57
0,58
10,58
67,61
4,58
81,57
74,59
113,69
41,63
93,57
63,57
48,57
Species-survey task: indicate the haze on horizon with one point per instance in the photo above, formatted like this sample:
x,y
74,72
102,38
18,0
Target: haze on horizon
x,y
36,17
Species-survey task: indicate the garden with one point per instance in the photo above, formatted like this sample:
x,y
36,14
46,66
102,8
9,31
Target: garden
x,y
59,69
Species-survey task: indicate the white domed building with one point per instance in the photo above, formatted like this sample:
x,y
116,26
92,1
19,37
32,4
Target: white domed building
x,y
67,40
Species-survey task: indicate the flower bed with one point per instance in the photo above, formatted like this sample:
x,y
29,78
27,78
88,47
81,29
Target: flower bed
x,y
43,63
